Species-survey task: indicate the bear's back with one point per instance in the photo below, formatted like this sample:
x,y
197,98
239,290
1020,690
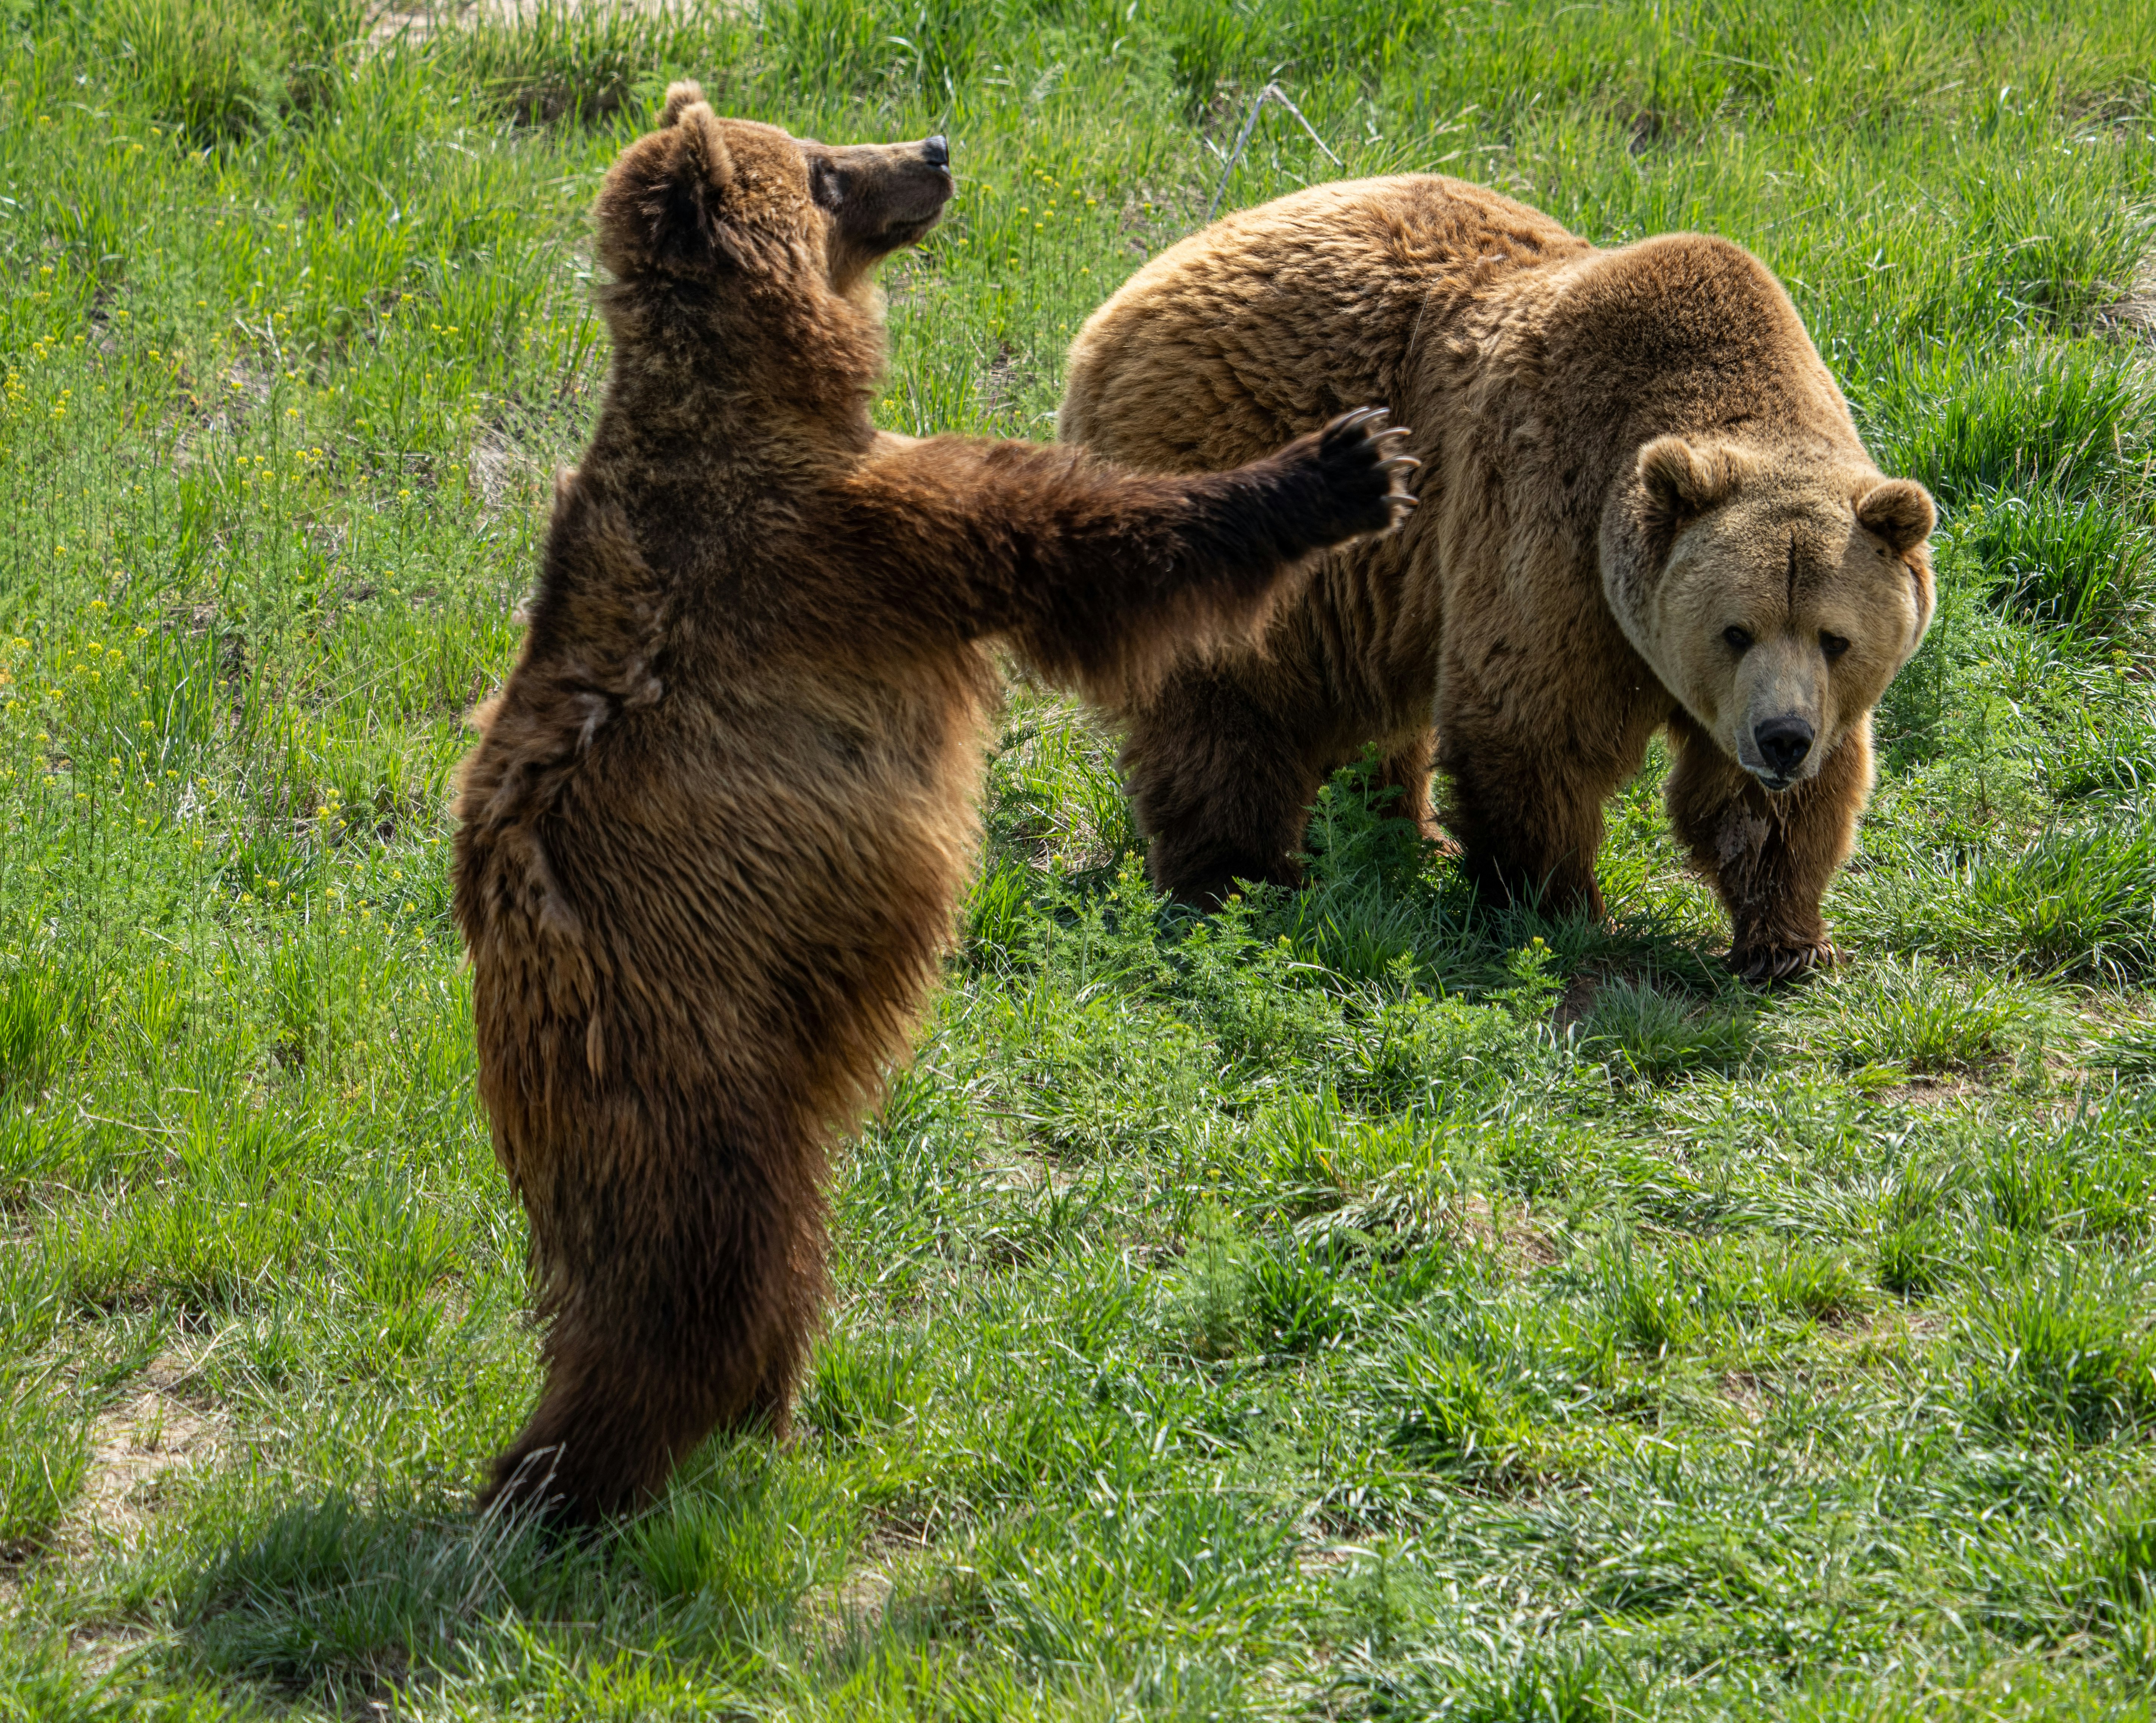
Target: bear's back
x,y
1684,331
1276,318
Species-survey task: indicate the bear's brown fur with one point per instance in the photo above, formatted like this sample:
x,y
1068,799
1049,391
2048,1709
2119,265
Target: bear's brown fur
x,y
1643,505
711,837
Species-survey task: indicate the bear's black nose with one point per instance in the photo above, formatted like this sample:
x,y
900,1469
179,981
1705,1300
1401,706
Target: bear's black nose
x,y
936,151
1784,742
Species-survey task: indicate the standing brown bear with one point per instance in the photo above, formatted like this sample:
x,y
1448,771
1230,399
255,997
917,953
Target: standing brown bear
x,y
1643,505
713,834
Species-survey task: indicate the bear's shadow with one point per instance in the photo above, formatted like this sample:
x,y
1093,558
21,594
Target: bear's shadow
x,y
347,1601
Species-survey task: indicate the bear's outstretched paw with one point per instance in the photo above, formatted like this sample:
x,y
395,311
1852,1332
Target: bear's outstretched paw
x,y
1767,966
1365,471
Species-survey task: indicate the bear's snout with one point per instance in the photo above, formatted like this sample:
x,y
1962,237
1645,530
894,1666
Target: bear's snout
x,y
1783,743
881,197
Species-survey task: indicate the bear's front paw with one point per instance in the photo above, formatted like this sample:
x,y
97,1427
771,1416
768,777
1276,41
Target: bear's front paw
x,y
1765,966
1364,468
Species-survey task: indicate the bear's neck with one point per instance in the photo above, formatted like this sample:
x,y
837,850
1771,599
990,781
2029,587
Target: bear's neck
x,y
776,380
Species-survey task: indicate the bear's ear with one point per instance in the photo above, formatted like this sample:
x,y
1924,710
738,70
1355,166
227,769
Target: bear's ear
x,y
687,207
664,204
1683,479
683,93
1900,511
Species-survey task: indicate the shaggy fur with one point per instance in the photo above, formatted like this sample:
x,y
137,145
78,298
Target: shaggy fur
x,y
712,836
1643,505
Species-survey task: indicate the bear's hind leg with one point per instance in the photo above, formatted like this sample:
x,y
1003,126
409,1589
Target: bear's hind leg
x,y
797,1307
1221,787
601,1441
708,1333
1408,762
609,1429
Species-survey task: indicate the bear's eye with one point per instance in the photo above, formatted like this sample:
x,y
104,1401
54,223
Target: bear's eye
x,y
1833,645
1740,640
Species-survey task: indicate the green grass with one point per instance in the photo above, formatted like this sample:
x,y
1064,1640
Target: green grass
x,y
1359,1305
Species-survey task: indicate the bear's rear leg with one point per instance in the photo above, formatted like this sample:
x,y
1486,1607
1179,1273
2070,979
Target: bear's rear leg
x,y
604,1441
620,1412
1220,786
601,1442
1408,762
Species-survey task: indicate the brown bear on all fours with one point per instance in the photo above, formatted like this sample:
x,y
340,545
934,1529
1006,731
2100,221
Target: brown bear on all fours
x,y
712,836
1643,505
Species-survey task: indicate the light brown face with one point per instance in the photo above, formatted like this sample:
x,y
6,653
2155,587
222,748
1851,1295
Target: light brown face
x,y
1787,602
876,197
703,194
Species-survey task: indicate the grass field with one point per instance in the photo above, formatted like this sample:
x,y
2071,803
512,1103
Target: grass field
x,y
1353,1306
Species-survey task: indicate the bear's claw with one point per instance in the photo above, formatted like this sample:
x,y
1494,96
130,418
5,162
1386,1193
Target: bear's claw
x,y
1366,470
1766,965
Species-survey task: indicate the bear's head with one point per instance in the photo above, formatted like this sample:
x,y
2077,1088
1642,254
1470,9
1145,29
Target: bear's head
x,y
1775,594
704,198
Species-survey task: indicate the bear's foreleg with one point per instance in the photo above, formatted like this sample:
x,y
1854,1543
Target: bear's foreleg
x,y
1528,814
1529,832
1135,566
1101,578
1532,745
1770,856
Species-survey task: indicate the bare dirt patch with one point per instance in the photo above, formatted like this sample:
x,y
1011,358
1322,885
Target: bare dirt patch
x,y
864,1597
1505,1231
1924,1090
849,1612
137,1449
414,23
2134,314
1577,1001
